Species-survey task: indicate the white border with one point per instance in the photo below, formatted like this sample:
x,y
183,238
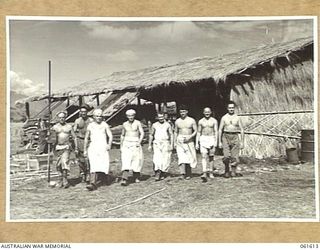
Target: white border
x,y
251,18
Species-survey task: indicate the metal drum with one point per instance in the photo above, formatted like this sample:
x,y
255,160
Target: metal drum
x,y
307,145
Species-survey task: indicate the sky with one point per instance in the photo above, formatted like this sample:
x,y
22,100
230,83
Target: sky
x,y
85,50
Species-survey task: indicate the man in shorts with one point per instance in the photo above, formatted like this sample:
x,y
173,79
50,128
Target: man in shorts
x,y
207,140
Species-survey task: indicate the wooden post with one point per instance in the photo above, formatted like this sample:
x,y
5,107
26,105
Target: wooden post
x,y
27,109
68,102
165,107
49,120
139,101
98,100
159,106
80,100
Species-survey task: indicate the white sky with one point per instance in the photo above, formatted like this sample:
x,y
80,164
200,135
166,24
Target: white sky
x,y
85,50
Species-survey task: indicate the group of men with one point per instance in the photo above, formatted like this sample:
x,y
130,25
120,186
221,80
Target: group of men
x,y
93,139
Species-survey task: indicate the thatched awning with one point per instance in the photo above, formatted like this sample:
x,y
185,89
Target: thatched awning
x,y
216,68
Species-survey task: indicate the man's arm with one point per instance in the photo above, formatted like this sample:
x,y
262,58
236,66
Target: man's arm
x,y
141,132
220,132
110,136
86,139
198,134
152,130
171,136
176,131
216,130
241,134
74,138
123,133
194,128
75,126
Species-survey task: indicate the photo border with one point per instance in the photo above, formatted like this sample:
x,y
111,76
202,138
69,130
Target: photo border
x,y
299,230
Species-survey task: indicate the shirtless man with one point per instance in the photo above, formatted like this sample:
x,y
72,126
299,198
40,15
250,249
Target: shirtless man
x,y
80,128
207,141
63,147
184,135
230,127
161,138
131,149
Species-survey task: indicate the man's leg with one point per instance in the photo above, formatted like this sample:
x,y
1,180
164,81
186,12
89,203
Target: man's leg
x,y
182,167
188,171
93,182
211,166
226,157
65,168
158,175
136,177
125,176
235,150
204,161
65,181
83,170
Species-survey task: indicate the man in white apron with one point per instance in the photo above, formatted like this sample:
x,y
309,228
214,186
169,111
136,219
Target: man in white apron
x,y
185,132
100,136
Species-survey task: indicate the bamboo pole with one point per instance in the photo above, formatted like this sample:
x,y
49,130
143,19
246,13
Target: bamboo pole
x,y
277,112
49,119
272,135
135,201
27,109
98,100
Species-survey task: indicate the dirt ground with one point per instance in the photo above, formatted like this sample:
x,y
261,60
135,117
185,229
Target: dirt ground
x,y
268,189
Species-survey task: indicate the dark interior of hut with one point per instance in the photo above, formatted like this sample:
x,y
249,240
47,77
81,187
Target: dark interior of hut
x,y
195,95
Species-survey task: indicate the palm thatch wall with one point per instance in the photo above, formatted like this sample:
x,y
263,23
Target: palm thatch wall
x,y
285,89
289,88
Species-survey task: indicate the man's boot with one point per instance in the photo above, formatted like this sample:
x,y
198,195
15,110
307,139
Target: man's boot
x,y
204,177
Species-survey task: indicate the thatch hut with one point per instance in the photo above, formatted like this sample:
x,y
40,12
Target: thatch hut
x,y
272,85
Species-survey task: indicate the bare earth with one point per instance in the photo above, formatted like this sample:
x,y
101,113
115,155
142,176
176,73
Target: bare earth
x,y
268,189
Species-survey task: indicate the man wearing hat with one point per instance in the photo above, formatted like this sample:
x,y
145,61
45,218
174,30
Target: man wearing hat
x,y
185,132
100,137
161,141
131,149
80,128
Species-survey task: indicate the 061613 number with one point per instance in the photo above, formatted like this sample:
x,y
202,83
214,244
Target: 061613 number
x,y
309,246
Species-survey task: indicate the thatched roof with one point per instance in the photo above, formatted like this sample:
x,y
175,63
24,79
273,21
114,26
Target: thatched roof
x,y
195,70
